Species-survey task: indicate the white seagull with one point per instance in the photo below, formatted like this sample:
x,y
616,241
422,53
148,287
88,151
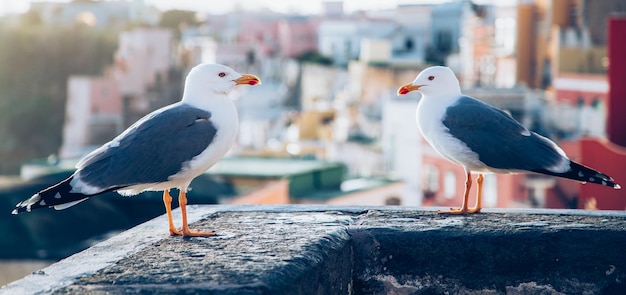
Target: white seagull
x,y
484,139
166,149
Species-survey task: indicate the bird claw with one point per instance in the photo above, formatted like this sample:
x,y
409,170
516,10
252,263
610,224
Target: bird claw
x,y
460,211
175,232
186,232
196,233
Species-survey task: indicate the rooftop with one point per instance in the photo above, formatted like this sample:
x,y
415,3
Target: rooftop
x,y
269,167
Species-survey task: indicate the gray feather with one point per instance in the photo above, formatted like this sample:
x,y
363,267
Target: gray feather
x,y
155,148
498,140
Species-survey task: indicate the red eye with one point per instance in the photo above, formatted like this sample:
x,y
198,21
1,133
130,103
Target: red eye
x,y
222,74
430,78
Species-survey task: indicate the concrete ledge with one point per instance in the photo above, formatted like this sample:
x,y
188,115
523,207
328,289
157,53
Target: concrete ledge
x,y
293,249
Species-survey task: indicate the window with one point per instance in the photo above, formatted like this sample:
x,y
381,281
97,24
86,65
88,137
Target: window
x,y
431,178
444,41
490,190
408,44
449,185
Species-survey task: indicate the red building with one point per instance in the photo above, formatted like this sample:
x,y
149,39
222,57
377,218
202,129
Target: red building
x,y
608,156
444,184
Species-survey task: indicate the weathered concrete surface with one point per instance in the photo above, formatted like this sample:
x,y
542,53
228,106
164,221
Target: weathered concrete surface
x,y
255,253
500,253
353,250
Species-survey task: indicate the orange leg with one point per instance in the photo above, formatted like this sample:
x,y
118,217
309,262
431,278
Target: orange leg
x,y
479,197
167,199
186,232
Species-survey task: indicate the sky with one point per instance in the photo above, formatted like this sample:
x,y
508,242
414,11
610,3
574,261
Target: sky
x,y
219,7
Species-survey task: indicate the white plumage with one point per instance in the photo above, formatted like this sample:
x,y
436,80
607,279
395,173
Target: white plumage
x,y
166,149
484,139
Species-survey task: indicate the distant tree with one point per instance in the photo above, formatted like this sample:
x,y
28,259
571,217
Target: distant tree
x,y
178,19
36,62
314,57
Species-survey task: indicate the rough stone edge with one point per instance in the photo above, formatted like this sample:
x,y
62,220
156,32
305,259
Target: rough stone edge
x,y
317,267
106,253
99,256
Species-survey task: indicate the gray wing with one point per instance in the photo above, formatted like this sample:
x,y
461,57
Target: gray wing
x,y
151,150
499,140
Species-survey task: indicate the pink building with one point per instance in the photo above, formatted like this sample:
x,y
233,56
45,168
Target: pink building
x,y
287,37
99,108
260,34
93,114
297,36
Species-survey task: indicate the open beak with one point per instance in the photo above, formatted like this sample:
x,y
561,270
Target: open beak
x,y
248,79
406,88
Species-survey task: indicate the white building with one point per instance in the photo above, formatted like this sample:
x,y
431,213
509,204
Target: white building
x,y
406,28
99,14
143,59
341,39
403,146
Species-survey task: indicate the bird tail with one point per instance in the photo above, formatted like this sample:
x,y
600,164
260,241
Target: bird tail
x,y
584,174
59,197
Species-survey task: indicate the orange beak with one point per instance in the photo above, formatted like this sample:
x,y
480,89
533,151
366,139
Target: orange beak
x,y
248,79
406,88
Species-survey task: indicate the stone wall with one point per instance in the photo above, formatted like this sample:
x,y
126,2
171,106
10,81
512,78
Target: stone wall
x,y
296,249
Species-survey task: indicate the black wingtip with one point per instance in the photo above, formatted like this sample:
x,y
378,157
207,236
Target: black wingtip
x,y
27,205
584,174
19,210
58,196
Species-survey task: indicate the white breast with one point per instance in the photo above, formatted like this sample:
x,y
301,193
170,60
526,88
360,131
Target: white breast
x,y
429,116
224,117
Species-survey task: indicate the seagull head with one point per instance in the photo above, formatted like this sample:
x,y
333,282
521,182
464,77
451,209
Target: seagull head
x,y
214,79
435,80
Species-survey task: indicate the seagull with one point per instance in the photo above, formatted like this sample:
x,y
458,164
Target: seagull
x,y
166,149
484,139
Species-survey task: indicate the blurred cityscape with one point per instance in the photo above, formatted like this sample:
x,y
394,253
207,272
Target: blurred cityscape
x,y
326,126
